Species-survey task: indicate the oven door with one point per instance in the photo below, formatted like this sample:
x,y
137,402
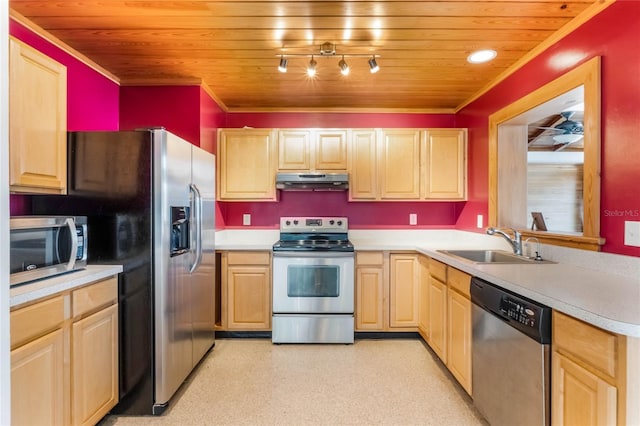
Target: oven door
x,y
313,282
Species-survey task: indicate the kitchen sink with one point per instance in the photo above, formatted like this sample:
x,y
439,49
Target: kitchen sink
x,y
491,256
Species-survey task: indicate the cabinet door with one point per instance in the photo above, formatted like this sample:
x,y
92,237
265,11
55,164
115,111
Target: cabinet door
x,y
294,150
95,366
370,298
423,303
459,338
330,150
248,298
404,287
246,165
363,178
445,164
399,171
438,317
38,382
579,396
37,121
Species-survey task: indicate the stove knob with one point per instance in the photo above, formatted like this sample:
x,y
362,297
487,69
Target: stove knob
x,y
339,223
331,222
295,222
288,222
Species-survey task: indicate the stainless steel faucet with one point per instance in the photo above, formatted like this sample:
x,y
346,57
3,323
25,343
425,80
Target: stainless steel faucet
x,y
516,241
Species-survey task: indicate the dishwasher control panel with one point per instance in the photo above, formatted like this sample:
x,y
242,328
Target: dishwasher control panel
x,y
528,316
520,311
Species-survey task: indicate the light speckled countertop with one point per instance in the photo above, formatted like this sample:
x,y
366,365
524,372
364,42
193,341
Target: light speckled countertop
x,y
38,289
598,288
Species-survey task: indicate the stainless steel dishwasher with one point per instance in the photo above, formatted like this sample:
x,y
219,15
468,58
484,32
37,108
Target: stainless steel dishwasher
x,y
511,356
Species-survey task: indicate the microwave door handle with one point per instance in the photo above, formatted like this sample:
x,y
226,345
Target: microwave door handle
x,y
198,225
70,223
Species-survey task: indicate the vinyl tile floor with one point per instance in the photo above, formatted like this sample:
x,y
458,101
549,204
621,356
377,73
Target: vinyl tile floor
x,y
372,382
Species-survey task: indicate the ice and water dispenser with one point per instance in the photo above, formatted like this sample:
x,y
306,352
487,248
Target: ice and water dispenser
x,y
180,238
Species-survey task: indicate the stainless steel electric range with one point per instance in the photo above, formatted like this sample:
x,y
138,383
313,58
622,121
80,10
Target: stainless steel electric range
x,y
313,281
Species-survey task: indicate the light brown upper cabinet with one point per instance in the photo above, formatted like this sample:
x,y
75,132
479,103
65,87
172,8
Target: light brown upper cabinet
x,y
246,165
399,167
445,164
363,164
408,164
312,150
37,121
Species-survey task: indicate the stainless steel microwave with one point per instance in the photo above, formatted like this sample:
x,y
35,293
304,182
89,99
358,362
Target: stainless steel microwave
x,y
44,246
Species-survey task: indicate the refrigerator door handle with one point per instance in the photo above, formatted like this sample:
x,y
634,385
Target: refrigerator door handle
x,y
197,200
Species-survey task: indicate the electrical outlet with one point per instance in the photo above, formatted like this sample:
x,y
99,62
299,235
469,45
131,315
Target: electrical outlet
x,y
632,233
246,219
479,223
413,219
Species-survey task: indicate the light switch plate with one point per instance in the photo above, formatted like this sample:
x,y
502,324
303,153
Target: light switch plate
x,y
413,219
479,223
632,233
246,219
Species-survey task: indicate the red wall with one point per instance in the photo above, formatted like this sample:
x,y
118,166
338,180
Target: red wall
x,y
614,35
360,214
92,99
176,108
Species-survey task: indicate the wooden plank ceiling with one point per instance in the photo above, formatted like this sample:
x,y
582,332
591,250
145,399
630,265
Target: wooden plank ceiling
x,y
233,46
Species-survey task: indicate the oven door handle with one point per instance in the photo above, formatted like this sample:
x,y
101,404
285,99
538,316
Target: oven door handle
x,y
314,254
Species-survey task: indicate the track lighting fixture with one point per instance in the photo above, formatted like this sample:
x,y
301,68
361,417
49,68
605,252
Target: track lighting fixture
x,y
373,65
344,68
283,64
311,68
328,49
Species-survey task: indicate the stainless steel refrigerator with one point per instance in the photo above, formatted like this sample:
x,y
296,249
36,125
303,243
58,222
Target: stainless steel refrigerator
x,y
150,200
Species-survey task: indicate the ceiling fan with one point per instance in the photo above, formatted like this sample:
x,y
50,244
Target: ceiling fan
x,y
568,131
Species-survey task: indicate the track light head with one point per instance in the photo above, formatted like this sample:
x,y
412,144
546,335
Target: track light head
x,y
373,65
344,67
283,64
311,68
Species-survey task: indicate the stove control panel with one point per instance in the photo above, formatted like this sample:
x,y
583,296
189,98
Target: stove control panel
x,y
313,224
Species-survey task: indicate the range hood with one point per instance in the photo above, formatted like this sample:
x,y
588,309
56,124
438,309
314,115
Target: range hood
x,y
312,181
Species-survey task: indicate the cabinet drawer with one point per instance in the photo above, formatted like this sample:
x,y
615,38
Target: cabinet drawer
x,y
248,257
36,320
438,270
94,296
369,258
585,342
459,281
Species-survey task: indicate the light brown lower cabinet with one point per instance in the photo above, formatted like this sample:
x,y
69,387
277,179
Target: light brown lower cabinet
x,y
38,382
595,377
387,291
423,304
404,290
64,357
371,291
246,289
437,300
459,337
94,366
581,397
448,318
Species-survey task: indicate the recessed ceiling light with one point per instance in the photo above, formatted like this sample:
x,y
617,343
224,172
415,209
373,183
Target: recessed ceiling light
x,y
480,56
